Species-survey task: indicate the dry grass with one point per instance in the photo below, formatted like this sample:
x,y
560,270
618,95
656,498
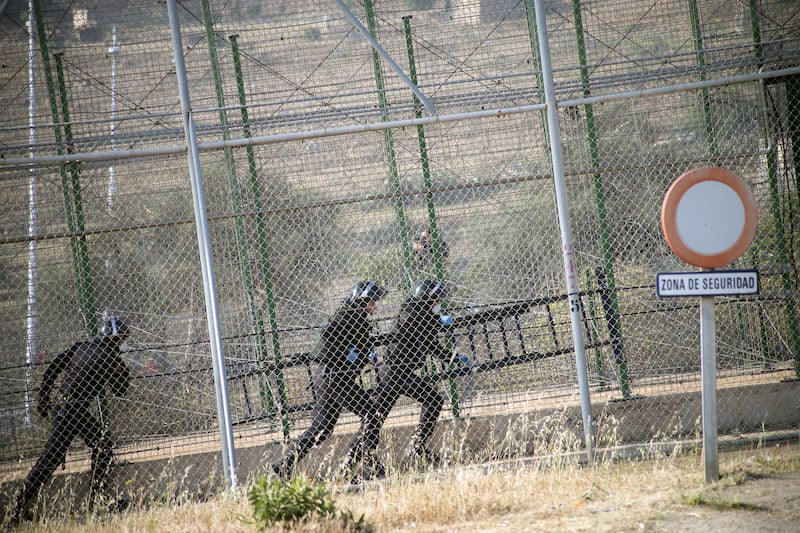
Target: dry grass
x,y
225,513
625,496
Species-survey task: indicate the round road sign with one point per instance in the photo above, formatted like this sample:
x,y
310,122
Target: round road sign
x,y
709,217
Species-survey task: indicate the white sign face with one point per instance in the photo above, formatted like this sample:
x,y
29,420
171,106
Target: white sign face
x,y
710,217
717,283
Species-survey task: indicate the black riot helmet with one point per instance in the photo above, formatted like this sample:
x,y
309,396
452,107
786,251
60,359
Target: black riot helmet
x,y
427,289
364,292
114,327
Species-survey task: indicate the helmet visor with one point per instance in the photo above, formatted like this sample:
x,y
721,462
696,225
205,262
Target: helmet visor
x,y
368,290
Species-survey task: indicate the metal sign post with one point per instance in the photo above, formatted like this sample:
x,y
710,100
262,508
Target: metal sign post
x,y
709,219
708,375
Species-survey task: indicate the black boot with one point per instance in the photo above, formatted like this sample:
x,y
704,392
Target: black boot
x,y
372,468
284,469
281,471
424,457
357,471
345,471
21,512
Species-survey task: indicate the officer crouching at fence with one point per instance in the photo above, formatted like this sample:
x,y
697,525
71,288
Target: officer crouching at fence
x,y
414,336
88,367
344,349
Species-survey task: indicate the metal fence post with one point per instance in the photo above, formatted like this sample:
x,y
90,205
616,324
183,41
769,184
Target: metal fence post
x,y
568,252
206,260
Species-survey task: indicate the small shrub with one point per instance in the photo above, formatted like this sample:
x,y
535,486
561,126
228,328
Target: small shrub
x,y
275,501
298,500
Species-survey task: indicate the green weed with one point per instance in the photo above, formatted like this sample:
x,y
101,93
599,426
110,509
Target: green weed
x,y
696,500
298,500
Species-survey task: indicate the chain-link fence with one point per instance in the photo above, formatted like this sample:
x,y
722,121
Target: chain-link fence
x,y
327,159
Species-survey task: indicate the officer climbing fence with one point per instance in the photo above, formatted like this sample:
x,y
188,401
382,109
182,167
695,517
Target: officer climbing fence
x,y
394,142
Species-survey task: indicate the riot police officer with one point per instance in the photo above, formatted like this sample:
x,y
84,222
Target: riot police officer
x,y
88,367
344,349
414,336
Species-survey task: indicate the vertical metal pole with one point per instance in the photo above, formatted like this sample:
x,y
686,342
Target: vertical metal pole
x,y
112,172
74,198
793,112
708,371
533,35
614,320
67,190
566,235
793,107
697,31
206,260
787,281
266,264
230,165
438,260
33,223
592,320
793,101
388,136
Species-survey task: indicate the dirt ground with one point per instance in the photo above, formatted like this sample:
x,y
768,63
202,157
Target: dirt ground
x,y
775,501
747,498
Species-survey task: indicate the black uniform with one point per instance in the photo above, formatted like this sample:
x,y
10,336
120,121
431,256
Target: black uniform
x,y
343,351
414,337
88,367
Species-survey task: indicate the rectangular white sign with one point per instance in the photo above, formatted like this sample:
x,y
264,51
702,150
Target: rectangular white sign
x,y
713,283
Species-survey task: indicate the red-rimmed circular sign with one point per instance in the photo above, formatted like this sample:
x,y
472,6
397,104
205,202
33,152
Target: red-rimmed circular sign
x,y
709,217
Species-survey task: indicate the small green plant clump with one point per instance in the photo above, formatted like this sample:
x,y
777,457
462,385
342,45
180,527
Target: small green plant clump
x,y
298,500
696,500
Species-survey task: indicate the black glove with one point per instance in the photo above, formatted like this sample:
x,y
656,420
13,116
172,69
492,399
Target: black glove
x,y
43,407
